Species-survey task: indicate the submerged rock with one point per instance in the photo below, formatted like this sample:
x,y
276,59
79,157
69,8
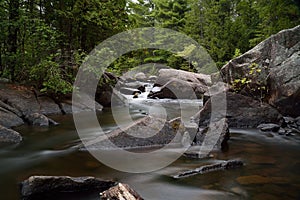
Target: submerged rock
x,y
120,192
269,127
230,164
39,187
9,135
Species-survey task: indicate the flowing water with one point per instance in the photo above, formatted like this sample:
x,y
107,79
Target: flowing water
x,y
272,169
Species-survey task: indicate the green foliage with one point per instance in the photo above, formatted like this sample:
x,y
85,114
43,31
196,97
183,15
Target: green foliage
x,y
48,40
48,76
254,83
237,53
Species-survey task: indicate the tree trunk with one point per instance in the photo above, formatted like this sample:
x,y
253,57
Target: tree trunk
x,y
13,35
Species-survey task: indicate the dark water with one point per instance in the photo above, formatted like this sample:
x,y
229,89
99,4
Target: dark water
x,y
51,151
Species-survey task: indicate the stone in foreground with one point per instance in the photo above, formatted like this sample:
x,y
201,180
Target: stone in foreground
x,y
120,192
43,187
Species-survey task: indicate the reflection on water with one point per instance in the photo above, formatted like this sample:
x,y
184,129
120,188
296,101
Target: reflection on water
x,y
51,151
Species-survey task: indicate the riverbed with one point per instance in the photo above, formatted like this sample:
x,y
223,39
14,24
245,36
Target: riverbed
x,y
271,171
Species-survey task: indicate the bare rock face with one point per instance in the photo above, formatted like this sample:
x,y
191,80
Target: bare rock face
x,y
120,192
146,132
179,84
241,111
278,58
166,75
43,187
9,135
180,89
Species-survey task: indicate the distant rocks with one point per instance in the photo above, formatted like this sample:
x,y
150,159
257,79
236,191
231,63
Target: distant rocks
x,y
269,127
178,84
289,126
165,75
179,89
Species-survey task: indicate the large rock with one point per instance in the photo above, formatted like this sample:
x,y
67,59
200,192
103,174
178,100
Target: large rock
x,y
284,83
278,58
215,134
9,119
165,75
120,192
26,102
180,89
9,135
146,132
241,111
40,187
37,119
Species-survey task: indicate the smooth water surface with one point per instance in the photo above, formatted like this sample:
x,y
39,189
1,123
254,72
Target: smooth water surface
x,y
53,151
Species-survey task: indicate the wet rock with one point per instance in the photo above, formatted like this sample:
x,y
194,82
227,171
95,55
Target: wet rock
x,y
148,131
9,135
288,120
165,75
152,78
86,104
256,179
9,119
279,60
216,134
129,91
241,111
281,131
180,89
269,127
120,192
26,102
230,164
37,119
140,76
39,187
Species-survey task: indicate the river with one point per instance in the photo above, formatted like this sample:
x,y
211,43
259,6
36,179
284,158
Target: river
x,y
53,151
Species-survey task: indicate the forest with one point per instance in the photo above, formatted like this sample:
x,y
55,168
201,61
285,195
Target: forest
x,y
44,42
